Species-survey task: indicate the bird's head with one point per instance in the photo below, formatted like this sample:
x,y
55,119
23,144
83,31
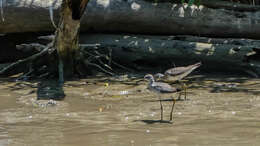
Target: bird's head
x,y
159,76
149,77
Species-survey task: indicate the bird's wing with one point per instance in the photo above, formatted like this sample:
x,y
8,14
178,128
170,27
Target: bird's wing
x,y
163,87
180,70
176,71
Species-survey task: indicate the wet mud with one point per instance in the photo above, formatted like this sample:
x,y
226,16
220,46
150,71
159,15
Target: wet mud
x,y
220,110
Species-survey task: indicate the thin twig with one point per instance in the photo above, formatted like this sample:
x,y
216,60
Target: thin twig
x,y
13,65
98,66
43,75
110,57
51,14
26,74
101,62
47,37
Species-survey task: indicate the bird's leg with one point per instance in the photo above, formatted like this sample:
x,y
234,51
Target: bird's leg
x,y
179,97
184,87
173,103
185,91
161,108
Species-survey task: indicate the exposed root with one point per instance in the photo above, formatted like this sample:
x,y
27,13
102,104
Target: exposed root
x,y
94,58
93,55
37,65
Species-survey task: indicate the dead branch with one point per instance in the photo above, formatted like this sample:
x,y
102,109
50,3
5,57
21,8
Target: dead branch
x,y
30,47
24,61
99,67
48,37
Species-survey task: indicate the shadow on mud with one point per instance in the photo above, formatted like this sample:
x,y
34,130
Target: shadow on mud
x,y
154,121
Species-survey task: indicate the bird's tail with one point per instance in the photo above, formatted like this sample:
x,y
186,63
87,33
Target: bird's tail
x,y
179,89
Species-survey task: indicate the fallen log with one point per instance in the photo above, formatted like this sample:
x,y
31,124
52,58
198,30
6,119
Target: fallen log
x,y
138,50
220,4
140,16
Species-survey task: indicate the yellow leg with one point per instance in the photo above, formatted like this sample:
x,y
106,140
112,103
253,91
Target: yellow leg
x,y
173,103
179,97
185,91
161,108
184,87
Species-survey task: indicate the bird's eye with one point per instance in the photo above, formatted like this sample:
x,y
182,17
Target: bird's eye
x,y
147,77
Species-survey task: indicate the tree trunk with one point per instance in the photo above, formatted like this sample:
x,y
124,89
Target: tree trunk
x,y
67,33
67,40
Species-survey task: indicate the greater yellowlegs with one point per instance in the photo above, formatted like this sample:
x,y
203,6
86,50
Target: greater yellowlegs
x,y
176,74
161,88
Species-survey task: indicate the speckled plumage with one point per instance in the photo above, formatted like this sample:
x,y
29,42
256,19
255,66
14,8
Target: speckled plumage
x,y
184,71
162,87
177,73
159,87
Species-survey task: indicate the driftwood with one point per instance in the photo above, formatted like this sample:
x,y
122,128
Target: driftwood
x,y
221,19
234,6
159,51
30,47
218,54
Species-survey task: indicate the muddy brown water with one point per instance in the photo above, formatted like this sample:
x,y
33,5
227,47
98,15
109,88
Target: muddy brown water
x,y
220,110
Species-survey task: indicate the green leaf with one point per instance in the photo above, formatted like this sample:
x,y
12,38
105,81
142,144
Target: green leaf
x,y
190,2
197,2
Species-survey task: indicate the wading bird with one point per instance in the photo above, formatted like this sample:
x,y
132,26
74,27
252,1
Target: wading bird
x,y
161,88
176,74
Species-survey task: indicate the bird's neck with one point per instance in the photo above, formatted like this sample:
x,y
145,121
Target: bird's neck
x,y
151,81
